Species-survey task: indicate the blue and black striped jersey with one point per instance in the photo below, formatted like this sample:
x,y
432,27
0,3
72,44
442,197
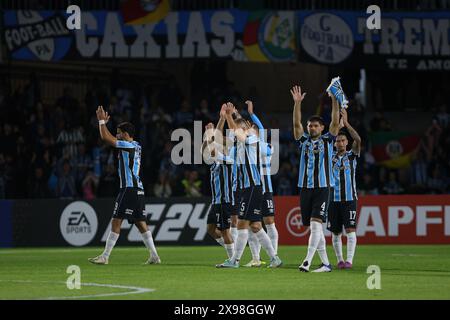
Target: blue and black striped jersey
x,y
344,168
129,155
316,161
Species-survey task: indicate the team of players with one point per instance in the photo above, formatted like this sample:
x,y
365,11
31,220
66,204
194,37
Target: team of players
x,y
241,185
242,189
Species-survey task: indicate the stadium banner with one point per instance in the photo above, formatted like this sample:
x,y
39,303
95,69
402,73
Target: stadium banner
x,y
384,219
414,41
408,219
43,223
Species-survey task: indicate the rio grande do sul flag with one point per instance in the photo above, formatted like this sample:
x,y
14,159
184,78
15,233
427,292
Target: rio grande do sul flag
x,y
144,11
393,149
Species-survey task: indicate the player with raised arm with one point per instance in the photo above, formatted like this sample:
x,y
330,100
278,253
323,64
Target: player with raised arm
x,y
315,176
130,201
267,205
219,215
249,177
342,210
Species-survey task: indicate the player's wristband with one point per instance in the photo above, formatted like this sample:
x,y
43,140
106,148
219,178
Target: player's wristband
x,y
100,122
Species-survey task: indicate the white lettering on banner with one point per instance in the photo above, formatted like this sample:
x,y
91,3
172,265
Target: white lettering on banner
x,y
390,44
423,220
196,223
87,47
436,37
326,37
145,46
195,35
172,48
409,36
113,44
183,147
395,220
366,214
412,42
222,26
181,214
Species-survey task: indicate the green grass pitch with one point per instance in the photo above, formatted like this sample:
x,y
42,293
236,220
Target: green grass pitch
x,y
407,272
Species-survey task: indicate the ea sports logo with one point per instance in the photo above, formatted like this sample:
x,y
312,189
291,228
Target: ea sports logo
x,y
294,223
78,223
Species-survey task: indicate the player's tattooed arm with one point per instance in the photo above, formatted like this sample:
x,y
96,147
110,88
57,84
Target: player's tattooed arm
x,y
298,97
334,125
103,118
356,147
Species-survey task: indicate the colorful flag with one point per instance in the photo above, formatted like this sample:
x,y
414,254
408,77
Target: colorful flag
x,y
144,11
393,149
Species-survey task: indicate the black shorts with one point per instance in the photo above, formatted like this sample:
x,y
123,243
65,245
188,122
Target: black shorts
x,y
314,204
220,215
130,205
267,206
250,204
341,214
237,201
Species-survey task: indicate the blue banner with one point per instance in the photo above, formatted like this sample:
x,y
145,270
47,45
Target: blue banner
x,y
417,41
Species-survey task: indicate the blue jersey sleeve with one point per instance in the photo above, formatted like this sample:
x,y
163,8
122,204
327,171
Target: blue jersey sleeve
x,y
120,144
256,121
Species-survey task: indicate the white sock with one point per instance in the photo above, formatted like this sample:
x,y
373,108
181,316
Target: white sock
x,y
272,232
148,241
351,246
220,241
110,243
255,246
337,245
240,244
264,240
322,250
234,234
314,239
230,249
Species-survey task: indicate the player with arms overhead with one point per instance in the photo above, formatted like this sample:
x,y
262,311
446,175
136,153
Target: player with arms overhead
x,y
342,210
221,167
130,201
249,177
315,176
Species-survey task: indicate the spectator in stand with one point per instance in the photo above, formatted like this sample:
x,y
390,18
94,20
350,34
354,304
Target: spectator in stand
x,y
65,188
83,163
393,186
367,186
89,186
192,185
69,139
162,188
108,185
184,118
38,186
443,117
418,172
436,183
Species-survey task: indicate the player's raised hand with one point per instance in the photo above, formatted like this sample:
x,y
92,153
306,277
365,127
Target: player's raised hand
x,y
107,116
223,111
249,106
230,107
100,113
296,93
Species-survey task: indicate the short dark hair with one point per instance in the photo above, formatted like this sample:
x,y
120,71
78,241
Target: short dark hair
x,y
316,118
342,133
127,127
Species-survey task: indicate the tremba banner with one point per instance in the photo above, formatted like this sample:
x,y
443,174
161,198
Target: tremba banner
x,y
415,41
